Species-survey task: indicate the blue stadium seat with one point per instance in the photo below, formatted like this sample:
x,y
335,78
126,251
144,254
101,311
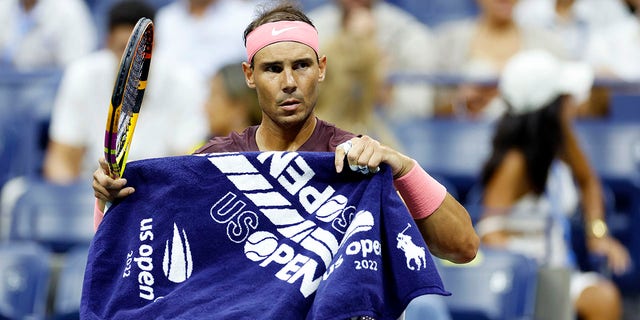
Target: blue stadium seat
x,y
624,107
452,149
432,307
24,281
68,291
308,5
56,216
26,100
436,12
496,285
17,148
473,203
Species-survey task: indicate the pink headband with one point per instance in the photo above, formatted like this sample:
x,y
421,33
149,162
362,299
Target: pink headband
x,y
270,33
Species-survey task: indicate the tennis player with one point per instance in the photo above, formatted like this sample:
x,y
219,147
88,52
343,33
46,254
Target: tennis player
x,y
284,67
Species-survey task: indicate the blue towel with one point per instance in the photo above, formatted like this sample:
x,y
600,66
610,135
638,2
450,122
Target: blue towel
x,y
273,235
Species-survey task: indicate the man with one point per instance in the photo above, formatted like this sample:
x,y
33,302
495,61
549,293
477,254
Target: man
x,y
284,67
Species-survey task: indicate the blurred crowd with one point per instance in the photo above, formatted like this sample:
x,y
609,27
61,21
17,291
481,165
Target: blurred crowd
x,y
387,63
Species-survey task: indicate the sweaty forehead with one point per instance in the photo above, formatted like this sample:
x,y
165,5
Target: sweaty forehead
x,y
283,52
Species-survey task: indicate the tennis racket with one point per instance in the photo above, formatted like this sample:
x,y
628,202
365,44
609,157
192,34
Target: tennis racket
x,y
126,98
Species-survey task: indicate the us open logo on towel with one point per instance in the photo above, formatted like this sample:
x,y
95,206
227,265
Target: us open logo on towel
x,y
290,173
177,263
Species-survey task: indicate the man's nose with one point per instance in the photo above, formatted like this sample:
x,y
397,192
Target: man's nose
x,y
289,81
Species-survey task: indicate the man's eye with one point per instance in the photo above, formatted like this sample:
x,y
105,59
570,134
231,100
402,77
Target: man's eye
x,y
301,65
276,69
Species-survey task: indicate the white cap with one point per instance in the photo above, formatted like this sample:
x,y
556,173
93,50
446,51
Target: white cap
x,y
532,79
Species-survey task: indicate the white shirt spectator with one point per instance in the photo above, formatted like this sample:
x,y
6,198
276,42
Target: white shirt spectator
x,y
50,35
577,29
205,43
171,120
616,50
596,13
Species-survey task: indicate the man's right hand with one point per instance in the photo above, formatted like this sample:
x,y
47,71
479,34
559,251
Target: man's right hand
x,y
106,188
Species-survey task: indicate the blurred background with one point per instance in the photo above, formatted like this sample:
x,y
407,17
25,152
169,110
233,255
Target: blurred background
x,y
420,75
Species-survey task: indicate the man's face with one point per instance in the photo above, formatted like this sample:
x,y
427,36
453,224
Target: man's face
x,y
285,76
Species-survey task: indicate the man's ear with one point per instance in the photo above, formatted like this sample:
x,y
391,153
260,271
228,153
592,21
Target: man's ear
x,y
248,75
322,65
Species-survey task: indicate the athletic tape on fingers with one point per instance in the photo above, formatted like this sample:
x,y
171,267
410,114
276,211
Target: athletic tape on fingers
x,y
346,146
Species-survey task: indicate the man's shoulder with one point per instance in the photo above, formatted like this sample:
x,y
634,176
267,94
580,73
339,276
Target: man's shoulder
x,y
325,126
234,142
327,137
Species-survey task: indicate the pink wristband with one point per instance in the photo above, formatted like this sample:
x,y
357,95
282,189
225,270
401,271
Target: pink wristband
x,y
98,215
421,193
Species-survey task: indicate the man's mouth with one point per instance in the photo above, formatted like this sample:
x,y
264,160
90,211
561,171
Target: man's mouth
x,y
290,104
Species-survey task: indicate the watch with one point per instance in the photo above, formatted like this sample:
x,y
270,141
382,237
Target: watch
x,y
598,228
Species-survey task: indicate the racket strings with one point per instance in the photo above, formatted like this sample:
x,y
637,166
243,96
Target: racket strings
x,y
133,92
127,95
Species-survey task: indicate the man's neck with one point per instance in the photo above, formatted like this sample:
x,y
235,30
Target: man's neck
x,y
271,137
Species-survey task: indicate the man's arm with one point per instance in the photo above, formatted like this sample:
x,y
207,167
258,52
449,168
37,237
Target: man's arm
x,y
449,233
445,226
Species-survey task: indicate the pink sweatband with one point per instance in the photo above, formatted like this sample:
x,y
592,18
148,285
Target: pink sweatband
x,y
421,193
279,31
98,215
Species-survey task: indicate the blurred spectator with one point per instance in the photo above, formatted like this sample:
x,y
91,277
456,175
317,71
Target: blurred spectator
x,y
556,13
563,17
203,34
353,83
616,53
478,49
40,34
528,180
580,25
404,43
171,121
232,105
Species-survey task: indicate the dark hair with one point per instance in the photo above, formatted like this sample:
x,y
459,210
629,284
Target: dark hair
x,y
128,12
538,135
283,11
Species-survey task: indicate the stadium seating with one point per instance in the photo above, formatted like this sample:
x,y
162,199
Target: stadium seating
x,y
497,284
308,5
624,106
24,281
68,291
435,12
452,149
26,100
432,307
56,216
